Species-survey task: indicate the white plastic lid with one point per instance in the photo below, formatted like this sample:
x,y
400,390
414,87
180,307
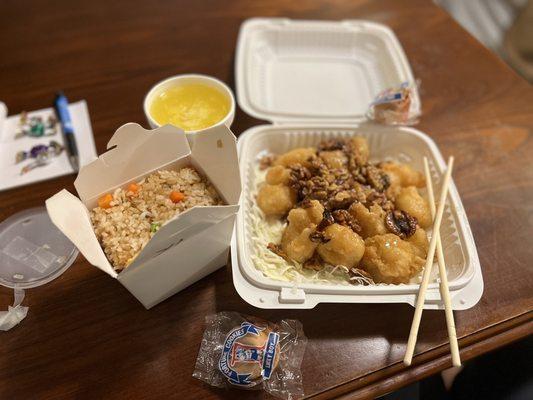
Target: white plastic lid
x,y
316,71
32,250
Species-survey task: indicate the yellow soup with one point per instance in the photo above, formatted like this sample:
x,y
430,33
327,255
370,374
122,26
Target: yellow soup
x,y
191,106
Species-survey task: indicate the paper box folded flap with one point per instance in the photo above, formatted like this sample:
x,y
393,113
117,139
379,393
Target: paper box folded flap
x,y
134,152
72,218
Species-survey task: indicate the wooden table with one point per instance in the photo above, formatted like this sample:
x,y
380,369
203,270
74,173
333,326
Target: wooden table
x,y
86,337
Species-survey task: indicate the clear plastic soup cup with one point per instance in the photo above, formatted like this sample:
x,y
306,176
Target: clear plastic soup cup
x,y
185,79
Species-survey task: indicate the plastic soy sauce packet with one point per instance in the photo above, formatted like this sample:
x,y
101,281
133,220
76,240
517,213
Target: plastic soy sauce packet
x,y
250,353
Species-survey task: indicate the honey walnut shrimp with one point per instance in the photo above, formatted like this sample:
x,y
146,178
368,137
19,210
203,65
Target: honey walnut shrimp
x,y
342,210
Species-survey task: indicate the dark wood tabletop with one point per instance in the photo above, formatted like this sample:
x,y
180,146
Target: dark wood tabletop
x,y
85,336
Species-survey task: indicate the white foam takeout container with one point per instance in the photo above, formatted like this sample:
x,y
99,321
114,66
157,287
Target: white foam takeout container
x,y
186,248
315,80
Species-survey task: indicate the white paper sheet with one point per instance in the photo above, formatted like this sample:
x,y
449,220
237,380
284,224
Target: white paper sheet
x,y
10,176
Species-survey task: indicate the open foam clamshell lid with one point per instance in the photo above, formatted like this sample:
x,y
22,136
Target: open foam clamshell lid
x,y
133,153
290,71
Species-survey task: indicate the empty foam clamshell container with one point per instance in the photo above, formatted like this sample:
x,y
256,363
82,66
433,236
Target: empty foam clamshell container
x,y
315,80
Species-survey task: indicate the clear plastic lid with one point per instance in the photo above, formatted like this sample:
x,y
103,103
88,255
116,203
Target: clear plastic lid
x,y
32,250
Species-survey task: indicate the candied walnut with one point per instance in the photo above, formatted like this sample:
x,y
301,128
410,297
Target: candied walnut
x,y
345,247
375,177
266,161
410,201
344,180
327,220
341,200
332,145
390,259
301,156
380,198
371,220
356,170
314,188
362,192
400,223
277,175
276,200
298,180
334,159
314,263
318,166
319,195
318,235
343,217
276,249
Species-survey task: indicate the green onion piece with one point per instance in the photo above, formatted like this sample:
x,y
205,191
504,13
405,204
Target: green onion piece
x,y
154,227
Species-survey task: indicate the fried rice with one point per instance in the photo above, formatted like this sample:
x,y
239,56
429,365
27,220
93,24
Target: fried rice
x,y
132,219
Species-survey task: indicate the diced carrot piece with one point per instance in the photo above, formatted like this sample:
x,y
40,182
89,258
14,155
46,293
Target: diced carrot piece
x,y
105,201
176,197
133,187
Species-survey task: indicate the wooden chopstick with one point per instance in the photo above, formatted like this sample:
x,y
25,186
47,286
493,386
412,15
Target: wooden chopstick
x,y
444,290
411,342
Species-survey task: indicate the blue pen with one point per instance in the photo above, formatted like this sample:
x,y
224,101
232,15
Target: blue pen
x,y
61,106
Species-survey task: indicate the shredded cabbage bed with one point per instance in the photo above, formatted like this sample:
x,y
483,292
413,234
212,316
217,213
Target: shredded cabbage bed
x,y
266,230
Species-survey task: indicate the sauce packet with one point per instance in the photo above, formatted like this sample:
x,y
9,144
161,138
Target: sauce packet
x,y
395,106
246,352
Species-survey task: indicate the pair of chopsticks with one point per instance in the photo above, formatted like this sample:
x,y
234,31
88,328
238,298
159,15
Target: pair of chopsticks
x,y
435,245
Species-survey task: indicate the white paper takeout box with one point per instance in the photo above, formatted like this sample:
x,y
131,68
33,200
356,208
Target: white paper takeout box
x,y
315,80
185,249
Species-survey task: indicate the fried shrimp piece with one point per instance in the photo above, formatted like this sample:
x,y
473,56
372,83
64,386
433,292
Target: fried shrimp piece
x,y
299,219
401,175
315,211
334,159
359,146
390,259
296,242
344,246
410,201
301,248
420,241
297,156
276,200
278,175
371,221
